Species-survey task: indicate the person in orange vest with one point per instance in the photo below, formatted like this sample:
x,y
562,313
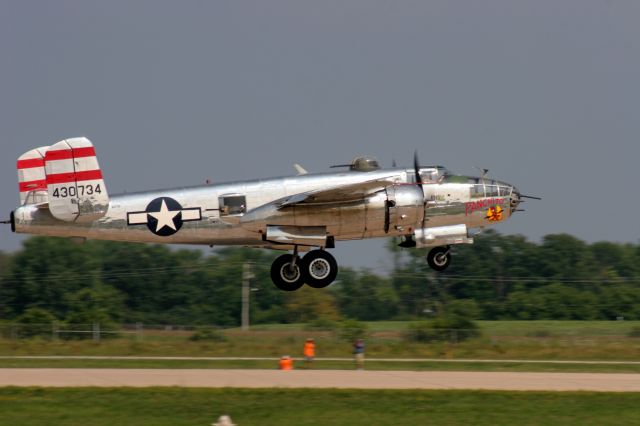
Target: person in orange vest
x,y
286,363
309,352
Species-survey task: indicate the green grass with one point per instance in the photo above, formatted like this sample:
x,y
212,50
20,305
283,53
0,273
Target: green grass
x,y
506,328
257,344
264,407
559,328
321,365
559,340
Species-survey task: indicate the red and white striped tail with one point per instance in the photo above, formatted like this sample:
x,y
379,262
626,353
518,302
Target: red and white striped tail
x,y
32,179
76,190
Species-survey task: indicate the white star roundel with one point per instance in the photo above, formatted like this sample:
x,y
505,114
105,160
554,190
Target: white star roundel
x,y
164,216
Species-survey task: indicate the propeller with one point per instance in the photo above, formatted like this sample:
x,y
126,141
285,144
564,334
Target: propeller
x,y
409,241
530,197
416,169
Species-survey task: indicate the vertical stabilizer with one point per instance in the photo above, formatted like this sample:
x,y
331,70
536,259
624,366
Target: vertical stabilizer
x,y
74,181
32,179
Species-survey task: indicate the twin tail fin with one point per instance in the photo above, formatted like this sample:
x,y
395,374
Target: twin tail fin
x,y
67,177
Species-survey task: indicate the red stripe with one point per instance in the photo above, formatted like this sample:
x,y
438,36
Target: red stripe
x,y
30,163
84,152
65,154
73,177
61,178
89,175
33,185
59,154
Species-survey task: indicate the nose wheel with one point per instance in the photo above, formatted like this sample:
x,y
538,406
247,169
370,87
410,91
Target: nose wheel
x,y
317,269
439,258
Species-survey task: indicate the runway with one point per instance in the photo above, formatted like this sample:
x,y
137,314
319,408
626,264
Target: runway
x,y
344,379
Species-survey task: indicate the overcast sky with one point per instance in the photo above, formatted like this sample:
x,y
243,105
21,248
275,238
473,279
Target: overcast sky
x,y
544,93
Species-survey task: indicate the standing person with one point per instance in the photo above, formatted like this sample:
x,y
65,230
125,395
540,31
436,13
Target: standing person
x,y
358,353
309,352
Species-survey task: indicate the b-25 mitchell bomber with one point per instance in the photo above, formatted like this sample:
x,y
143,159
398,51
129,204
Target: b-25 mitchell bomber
x,y
62,193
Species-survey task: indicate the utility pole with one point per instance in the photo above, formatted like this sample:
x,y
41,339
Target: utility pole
x,y
246,289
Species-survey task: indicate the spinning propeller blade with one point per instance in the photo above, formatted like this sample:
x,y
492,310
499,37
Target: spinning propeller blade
x,y
416,169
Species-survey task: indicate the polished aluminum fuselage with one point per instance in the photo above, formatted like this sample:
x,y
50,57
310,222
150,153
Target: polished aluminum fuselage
x,y
448,202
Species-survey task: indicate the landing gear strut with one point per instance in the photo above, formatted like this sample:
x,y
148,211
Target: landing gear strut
x,y
317,269
439,258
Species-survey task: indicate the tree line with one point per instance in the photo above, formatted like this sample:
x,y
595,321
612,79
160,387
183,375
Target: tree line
x,y
498,277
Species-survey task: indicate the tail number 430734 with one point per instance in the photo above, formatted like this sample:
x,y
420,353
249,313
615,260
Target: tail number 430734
x,y
71,191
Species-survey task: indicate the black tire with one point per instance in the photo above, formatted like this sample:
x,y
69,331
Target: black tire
x,y
439,258
283,276
319,268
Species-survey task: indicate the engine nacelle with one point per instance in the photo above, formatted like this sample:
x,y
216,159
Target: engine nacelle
x,y
405,208
442,236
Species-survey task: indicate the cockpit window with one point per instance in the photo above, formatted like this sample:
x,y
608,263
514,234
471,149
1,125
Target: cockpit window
x,y
491,190
477,191
505,190
429,176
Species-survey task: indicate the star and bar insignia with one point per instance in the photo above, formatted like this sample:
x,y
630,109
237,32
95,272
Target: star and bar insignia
x,y
164,216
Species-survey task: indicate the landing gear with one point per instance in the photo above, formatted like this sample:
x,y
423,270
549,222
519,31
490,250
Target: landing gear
x,y
286,273
439,258
319,268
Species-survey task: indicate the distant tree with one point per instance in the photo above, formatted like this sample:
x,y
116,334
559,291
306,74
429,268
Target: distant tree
x,y
365,296
308,304
44,272
98,304
35,322
507,277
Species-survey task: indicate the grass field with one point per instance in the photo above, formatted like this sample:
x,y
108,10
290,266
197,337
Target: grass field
x,y
322,365
527,340
264,407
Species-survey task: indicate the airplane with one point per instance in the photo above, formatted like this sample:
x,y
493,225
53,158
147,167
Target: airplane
x,y
63,194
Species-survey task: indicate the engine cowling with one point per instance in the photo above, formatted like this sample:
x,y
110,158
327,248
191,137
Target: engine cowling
x,y
406,207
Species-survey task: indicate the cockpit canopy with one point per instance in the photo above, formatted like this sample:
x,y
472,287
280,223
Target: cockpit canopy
x,y
489,187
433,174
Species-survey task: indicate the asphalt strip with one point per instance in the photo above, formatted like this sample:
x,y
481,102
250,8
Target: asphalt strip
x,y
339,379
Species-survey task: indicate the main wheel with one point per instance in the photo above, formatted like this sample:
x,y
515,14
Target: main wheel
x,y
285,276
439,258
319,268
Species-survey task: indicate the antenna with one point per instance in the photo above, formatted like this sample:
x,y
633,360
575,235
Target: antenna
x,y
482,170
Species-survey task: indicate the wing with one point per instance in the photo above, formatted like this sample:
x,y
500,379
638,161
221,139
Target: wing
x,y
337,194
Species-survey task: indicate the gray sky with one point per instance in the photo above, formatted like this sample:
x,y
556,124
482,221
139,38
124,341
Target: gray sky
x,y
544,93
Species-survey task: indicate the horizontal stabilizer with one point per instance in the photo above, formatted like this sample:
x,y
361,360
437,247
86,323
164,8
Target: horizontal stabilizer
x,y
75,185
